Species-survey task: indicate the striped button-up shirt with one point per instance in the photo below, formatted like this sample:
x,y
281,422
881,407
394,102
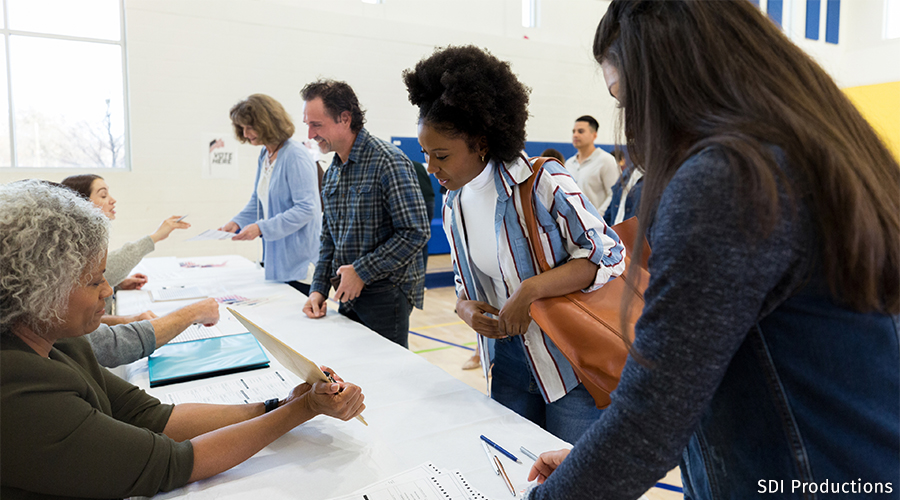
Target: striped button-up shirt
x,y
374,218
570,228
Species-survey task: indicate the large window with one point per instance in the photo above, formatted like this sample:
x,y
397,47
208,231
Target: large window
x,y
63,84
891,19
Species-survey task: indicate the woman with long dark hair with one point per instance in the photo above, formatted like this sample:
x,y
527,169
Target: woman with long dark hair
x,y
769,337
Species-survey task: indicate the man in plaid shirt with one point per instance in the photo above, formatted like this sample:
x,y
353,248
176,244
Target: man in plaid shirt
x,y
374,223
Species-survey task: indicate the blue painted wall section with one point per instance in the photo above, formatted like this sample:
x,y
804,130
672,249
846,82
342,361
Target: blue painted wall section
x,y
832,20
813,11
775,9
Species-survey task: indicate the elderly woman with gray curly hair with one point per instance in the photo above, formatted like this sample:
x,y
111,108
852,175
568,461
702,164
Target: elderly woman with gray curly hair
x,y
69,427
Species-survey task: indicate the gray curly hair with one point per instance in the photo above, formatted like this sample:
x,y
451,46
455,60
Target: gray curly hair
x,y
48,237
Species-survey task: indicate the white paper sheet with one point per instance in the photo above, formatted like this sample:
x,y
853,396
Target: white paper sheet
x,y
425,482
212,234
244,390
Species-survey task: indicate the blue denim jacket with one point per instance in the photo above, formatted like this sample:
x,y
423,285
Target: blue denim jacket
x,y
751,372
780,425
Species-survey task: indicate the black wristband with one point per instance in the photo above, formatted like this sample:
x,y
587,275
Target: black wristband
x,y
271,404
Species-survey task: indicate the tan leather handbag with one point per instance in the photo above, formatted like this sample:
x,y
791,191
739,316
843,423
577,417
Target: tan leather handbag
x,y
587,327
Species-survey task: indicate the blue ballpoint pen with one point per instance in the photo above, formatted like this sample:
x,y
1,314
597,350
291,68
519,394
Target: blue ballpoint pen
x,y
501,450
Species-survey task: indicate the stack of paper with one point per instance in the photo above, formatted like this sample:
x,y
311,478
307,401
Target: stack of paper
x,y
425,482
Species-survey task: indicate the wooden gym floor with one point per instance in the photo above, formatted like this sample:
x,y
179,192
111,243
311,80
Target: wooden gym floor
x,y
441,337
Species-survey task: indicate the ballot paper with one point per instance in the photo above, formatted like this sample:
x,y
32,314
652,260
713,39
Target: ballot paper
x,y
177,293
425,482
212,234
240,391
298,364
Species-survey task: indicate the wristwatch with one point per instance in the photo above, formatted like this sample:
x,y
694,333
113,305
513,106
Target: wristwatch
x,y
271,404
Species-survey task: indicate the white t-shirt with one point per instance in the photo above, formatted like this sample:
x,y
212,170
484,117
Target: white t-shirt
x,y
478,201
262,187
596,176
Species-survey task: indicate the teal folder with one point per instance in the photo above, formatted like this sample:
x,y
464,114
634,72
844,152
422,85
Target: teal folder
x,y
173,363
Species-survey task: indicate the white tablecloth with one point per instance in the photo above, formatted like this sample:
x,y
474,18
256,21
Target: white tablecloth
x,y
416,412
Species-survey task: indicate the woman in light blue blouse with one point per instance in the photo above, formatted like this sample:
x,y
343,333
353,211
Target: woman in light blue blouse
x,y
284,207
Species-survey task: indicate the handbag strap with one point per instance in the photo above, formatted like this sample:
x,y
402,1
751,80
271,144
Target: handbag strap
x,y
526,193
627,230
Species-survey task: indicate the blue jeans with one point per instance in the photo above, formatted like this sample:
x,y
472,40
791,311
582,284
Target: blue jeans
x,y
514,387
384,308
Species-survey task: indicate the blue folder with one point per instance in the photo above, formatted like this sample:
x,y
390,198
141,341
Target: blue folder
x,y
204,358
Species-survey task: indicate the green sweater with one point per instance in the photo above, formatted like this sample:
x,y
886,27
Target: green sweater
x,y
70,428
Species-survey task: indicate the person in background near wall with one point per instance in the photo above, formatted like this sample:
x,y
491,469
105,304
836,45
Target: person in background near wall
x,y
626,192
121,261
472,114
552,153
71,429
375,224
594,170
769,337
284,208
428,198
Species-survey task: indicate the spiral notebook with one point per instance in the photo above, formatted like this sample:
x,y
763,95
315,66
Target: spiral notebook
x,y
173,363
425,482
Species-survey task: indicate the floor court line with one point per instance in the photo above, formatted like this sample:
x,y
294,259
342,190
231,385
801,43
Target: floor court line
x,y
441,341
664,486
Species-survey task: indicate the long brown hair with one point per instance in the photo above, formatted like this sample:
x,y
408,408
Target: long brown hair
x,y
267,117
694,74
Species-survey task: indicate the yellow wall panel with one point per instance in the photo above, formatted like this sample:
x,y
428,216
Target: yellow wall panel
x,y
880,105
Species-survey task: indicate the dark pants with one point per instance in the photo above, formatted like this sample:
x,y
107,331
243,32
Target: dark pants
x,y
382,307
300,287
513,386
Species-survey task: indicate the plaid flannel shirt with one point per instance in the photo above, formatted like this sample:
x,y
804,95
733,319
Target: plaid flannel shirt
x,y
374,218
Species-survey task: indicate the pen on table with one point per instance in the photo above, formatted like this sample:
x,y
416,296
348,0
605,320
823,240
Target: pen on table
x,y
490,458
168,287
505,477
500,449
528,453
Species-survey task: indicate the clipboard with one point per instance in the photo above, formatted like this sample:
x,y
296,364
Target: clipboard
x,y
297,363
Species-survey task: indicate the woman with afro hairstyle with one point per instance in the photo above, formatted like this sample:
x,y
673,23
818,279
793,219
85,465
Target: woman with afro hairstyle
x,y
472,113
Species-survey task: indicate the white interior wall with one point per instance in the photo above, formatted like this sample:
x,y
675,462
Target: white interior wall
x,y
189,61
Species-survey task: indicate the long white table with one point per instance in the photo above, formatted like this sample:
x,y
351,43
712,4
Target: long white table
x,y
416,412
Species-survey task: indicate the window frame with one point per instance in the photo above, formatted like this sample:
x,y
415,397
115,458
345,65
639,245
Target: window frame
x,y
6,32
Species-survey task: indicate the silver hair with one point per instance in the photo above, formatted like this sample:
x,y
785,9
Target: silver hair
x,y
49,236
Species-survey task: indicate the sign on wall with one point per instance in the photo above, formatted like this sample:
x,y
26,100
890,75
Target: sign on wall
x,y
219,156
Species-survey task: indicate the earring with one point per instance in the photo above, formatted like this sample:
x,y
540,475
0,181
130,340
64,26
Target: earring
x,y
482,157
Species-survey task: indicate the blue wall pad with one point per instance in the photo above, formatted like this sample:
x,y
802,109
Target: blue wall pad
x,y
813,10
832,20
439,280
775,9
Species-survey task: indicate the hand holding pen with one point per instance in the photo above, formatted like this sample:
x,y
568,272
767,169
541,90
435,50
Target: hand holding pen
x,y
546,463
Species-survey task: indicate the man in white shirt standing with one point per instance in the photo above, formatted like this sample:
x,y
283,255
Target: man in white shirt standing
x,y
595,171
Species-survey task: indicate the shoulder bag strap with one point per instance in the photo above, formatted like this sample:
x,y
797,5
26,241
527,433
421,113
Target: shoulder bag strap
x,y
526,192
